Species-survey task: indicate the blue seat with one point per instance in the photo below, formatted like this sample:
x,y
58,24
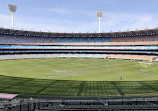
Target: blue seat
x,y
69,40
76,40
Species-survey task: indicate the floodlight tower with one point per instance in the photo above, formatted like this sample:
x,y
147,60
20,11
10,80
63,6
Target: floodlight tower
x,y
12,9
99,16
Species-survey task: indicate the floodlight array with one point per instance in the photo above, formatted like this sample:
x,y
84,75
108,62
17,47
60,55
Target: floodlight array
x,y
99,14
12,8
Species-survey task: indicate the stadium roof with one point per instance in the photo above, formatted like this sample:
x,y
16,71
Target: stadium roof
x,y
149,32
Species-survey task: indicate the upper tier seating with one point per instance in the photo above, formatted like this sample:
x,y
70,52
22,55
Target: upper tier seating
x,y
53,40
144,40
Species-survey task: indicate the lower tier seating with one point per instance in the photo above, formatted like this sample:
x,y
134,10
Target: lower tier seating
x,y
110,56
133,57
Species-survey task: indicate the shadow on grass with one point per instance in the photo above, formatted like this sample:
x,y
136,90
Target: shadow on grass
x,y
28,86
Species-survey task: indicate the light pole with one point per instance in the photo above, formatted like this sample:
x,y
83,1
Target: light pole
x,y
99,16
12,9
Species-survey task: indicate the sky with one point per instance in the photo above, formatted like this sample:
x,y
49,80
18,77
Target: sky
x,y
80,15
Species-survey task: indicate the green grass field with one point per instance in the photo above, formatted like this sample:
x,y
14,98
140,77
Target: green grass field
x,y
78,77
80,69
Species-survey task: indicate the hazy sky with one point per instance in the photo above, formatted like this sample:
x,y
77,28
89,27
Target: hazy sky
x,y
80,15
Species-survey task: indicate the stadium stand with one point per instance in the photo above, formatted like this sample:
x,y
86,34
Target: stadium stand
x,y
131,57
136,45
147,104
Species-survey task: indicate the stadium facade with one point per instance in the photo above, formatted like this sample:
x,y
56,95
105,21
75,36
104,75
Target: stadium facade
x,y
137,45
